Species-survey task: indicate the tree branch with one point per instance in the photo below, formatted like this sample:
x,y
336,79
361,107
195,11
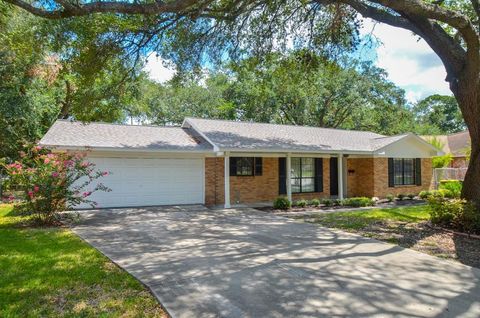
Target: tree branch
x,y
122,7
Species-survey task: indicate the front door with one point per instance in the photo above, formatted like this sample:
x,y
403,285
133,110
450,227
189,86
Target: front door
x,y
333,176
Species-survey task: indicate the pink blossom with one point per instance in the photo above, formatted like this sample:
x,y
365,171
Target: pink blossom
x,y
46,160
55,174
84,164
36,188
11,198
68,163
30,194
86,194
105,173
38,148
22,154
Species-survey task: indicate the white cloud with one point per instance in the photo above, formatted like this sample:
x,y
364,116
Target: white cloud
x,y
410,62
157,71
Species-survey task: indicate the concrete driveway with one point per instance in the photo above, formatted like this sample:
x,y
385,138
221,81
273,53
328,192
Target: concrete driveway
x,y
246,263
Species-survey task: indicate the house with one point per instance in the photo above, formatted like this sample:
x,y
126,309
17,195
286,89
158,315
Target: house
x,y
455,144
218,162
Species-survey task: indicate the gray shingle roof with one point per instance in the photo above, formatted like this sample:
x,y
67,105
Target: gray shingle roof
x,y
101,135
250,136
456,144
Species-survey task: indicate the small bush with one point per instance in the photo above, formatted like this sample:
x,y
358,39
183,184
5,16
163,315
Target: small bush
x,y
424,194
337,202
327,202
454,186
390,197
314,202
454,213
358,202
300,203
442,193
411,196
282,203
401,196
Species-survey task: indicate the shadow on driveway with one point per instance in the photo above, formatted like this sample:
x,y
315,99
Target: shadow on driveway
x,y
247,263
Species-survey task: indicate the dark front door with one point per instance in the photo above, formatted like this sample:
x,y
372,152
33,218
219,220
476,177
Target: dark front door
x,y
333,176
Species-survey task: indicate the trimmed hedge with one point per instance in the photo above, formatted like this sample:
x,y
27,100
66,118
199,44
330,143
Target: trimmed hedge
x,y
282,203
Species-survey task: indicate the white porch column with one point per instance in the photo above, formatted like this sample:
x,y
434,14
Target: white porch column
x,y
340,176
227,180
289,177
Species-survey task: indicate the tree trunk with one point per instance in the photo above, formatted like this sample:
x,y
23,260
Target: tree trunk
x,y
468,98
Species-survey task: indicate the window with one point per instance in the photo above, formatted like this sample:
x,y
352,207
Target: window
x,y
303,175
245,166
404,171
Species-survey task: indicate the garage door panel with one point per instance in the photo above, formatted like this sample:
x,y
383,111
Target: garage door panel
x,y
148,181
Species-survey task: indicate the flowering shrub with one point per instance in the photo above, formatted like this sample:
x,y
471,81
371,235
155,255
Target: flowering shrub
x,y
53,182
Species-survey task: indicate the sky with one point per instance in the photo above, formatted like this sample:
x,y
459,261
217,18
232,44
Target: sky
x,y
410,63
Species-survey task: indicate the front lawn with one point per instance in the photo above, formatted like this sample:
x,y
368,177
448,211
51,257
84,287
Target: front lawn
x,y
404,226
50,272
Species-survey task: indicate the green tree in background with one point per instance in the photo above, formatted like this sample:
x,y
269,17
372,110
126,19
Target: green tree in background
x,y
439,114
299,88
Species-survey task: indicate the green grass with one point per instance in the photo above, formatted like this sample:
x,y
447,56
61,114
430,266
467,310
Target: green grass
x,y
50,272
356,220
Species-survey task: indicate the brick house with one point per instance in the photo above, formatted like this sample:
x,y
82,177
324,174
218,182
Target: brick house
x,y
218,162
457,145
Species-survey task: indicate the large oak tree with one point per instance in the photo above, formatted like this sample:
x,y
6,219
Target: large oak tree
x,y
450,27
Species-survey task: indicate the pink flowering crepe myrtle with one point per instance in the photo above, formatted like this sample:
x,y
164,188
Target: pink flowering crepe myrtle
x,y
54,182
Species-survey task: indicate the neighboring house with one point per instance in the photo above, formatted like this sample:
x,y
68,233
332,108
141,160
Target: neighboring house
x,y
456,144
205,161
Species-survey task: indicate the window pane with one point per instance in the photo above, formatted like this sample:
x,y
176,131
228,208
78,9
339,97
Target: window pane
x,y
307,167
398,171
296,167
245,166
409,171
308,185
295,185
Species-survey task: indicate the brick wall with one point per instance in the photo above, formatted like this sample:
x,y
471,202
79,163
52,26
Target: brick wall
x,y
251,189
360,177
380,183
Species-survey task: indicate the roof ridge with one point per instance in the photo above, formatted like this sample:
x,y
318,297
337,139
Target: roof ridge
x,y
392,136
116,124
286,125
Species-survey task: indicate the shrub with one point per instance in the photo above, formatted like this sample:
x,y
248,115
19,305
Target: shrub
x,y
442,161
327,202
424,194
411,196
337,202
401,196
314,202
442,193
390,197
282,203
358,202
454,213
454,186
300,203
53,182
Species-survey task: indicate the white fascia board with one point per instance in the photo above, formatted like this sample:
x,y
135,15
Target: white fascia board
x,y
380,152
296,151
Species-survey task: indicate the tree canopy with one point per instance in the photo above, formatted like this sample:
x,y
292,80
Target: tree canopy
x,y
194,32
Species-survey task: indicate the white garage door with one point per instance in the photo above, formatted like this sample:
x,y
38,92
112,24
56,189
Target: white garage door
x,y
149,181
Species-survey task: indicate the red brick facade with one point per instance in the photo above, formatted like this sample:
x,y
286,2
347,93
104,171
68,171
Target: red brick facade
x,y
365,177
251,189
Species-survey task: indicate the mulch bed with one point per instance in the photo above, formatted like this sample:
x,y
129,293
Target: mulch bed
x,y
424,238
379,204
